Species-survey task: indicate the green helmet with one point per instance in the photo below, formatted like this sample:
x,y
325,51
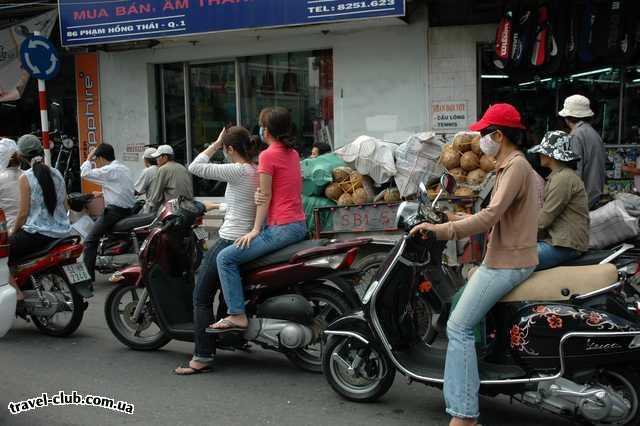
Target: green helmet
x,y
29,146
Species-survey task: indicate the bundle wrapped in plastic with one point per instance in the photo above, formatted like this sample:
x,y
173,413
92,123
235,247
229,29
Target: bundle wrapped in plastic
x,y
417,161
370,157
317,173
611,224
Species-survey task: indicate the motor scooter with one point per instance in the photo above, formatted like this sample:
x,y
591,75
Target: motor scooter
x,y
291,295
121,246
55,286
566,340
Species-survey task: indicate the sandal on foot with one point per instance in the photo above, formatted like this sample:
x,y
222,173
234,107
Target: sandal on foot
x,y
226,326
205,369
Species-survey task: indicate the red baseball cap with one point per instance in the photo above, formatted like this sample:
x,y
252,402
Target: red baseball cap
x,y
503,115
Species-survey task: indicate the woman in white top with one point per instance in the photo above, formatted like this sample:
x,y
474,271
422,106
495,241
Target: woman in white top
x,y
242,180
9,174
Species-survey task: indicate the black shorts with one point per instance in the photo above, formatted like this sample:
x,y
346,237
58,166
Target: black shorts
x,y
23,243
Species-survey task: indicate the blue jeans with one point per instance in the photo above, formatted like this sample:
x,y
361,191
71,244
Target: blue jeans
x,y
461,378
551,256
272,238
203,293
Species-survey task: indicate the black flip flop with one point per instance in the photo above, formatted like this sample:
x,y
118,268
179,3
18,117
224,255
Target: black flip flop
x,y
194,371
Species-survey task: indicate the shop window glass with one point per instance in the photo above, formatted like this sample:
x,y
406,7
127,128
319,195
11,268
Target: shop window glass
x,y
302,82
631,123
540,98
212,96
536,99
172,118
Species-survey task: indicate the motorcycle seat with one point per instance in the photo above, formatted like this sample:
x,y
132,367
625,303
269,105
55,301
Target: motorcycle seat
x,y
592,257
283,255
45,250
562,283
131,222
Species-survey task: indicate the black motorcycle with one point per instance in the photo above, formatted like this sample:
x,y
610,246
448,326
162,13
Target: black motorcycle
x,y
567,340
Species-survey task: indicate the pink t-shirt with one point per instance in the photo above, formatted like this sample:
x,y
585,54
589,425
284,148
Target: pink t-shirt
x,y
283,165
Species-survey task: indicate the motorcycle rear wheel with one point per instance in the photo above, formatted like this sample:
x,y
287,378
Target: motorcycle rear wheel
x,y
121,325
369,381
329,304
55,283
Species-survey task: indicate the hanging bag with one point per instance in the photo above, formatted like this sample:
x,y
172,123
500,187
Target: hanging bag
x,y
504,38
559,17
585,33
544,45
524,33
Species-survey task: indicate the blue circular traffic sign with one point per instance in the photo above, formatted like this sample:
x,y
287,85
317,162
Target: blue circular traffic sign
x,y
39,57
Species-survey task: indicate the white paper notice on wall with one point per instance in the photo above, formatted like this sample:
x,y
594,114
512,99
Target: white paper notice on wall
x,y
449,116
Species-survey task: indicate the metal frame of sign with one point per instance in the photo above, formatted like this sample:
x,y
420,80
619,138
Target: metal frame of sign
x,y
64,42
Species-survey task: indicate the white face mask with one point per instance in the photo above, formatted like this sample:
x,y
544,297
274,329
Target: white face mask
x,y
488,146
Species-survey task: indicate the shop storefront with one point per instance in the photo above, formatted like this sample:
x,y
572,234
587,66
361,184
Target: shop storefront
x,y
338,79
465,68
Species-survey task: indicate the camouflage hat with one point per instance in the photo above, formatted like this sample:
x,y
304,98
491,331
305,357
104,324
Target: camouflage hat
x,y
557,145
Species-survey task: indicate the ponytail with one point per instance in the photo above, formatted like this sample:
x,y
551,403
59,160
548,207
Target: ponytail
x,y
42,172
279,122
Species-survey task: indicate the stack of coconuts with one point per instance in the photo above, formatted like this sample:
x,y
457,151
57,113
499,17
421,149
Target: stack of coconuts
x,y
351,188
464,161
347,188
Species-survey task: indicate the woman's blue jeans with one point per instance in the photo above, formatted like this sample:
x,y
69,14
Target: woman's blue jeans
x,y
552,256
461,378
272,238
203,294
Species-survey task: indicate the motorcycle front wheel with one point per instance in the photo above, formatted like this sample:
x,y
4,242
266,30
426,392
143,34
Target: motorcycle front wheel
x,y
357,372
142,334
66,321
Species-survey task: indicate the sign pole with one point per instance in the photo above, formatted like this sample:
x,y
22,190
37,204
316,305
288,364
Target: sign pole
x,y
44,117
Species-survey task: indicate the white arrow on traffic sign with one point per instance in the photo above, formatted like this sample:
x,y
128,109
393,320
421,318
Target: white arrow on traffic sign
x,y
35,43
34,68
54,62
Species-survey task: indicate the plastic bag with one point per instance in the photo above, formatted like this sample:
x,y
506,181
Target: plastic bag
x,y
310,204
417,161
631,203
370,157
611,224
316,173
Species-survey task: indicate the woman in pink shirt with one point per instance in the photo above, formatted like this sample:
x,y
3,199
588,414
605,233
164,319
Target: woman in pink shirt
x,y
280,207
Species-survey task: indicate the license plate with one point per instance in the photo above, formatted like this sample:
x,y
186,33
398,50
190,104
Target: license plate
x,y
76,273
201,234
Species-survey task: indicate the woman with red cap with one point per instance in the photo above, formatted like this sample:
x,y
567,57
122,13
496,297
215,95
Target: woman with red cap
x,y
512,218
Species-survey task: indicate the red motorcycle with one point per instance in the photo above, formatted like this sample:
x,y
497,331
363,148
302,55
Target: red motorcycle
x,y
292,294
55,285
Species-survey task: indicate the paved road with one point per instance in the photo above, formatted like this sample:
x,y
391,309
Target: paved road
x,y
261,388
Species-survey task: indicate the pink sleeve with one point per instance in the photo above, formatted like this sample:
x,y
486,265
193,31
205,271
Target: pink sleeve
x,y
266,164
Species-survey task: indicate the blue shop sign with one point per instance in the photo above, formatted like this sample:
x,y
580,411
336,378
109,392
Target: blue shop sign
x,y
109,21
